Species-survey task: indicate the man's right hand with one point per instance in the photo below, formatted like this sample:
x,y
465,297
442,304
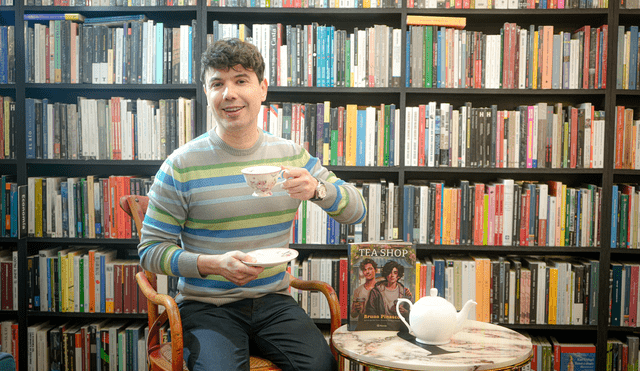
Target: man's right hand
x,y
230,266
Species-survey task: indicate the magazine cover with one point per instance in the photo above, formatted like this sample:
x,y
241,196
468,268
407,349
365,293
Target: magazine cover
x,y
380,273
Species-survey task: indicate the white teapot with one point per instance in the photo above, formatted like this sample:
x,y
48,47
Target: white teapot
x,y
433,319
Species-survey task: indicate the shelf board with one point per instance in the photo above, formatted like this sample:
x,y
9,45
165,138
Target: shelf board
x,y
109,10
87,315
521,92
109,163
119,87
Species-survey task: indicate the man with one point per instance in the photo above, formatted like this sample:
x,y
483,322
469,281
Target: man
x,y
385,294
200,198
361,293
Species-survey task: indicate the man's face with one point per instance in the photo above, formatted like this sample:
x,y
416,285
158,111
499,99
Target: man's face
x,y
234,97
393,276
369,272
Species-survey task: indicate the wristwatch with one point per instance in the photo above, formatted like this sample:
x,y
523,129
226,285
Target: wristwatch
x,y
321,191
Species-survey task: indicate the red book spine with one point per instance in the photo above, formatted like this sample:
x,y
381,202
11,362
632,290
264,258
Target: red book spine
x,y
421,135
344,289
597,84
142,300
574,138
117,288
438,217
605,46
633,297
126,289
341,113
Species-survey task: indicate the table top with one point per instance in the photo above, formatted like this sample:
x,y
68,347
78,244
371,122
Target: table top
x,y
478,346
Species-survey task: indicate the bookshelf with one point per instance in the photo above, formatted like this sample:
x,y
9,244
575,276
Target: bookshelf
x,y
488,21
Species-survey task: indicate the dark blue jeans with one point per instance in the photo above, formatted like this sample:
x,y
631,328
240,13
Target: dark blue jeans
x,y
273,327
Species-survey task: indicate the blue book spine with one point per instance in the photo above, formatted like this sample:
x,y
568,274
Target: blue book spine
x,y
600,56
614,216
616,294
332,55
45,130
361,134
49,293
30,121
14,211
441,58
4,54
64,193
633,56
438,279
407,62
407,225
436,143
159,52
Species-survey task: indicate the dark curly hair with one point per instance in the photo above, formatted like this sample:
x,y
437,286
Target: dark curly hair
x,y
368,261
388,267
228,53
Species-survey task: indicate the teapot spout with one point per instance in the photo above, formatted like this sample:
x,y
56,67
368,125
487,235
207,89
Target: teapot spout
x,y
463,314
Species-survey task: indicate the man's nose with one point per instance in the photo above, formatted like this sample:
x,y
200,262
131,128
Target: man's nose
x,y
229,92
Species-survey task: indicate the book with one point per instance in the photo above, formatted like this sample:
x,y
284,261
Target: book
x,y
430,20
54,17
380,272
573,356
116,19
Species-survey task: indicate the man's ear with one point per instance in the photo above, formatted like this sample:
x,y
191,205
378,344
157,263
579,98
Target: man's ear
x,y
265,87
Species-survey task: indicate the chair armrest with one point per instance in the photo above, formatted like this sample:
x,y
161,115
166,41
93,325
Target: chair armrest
x,y
171,312
329,293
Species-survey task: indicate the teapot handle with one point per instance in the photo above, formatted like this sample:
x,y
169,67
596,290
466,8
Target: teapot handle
x,y
400,315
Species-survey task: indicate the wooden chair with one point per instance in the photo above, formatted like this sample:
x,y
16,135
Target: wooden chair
x,y
168,356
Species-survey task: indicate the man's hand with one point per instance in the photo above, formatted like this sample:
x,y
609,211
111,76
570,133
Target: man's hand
x,y
230,266
299,183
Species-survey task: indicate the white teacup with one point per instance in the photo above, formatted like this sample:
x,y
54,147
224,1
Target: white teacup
x,y
262,179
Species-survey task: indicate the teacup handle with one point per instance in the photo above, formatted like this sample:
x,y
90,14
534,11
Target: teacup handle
x,y
281,177
400,315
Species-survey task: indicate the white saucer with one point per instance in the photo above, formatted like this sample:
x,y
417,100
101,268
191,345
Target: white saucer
x,y
272,257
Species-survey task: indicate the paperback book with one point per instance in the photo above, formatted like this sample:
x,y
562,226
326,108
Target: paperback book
x,y
380,273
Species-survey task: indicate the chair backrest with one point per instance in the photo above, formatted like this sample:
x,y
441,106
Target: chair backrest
x,y
136,207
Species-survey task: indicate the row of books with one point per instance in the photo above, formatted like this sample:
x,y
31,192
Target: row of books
x,y
629,4
541,135
306,3
625,227
322,56
7,127
622,353
549,353
506,4
516,58
312,225
8,280
623,305
128,52
502,213
515,290
7,55
81,207
123,3
108,129
348,135
627,73
83,279
627,154
87,345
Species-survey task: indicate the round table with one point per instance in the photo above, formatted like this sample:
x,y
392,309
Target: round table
x,y
478,346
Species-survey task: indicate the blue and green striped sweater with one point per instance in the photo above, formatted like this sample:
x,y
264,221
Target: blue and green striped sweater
x,y
200,198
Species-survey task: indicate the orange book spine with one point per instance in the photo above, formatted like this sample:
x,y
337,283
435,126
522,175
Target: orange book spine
x,y
479,288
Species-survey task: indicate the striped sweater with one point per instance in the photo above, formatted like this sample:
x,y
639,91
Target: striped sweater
x,y
200,198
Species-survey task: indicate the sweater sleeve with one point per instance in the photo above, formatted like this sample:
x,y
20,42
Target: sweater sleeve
x,y
344,202
163,223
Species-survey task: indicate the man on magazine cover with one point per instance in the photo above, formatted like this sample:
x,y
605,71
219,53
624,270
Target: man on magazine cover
x,y
385,294
361,293
200,198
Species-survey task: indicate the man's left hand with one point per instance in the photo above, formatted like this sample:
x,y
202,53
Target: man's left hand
x,y
299,183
